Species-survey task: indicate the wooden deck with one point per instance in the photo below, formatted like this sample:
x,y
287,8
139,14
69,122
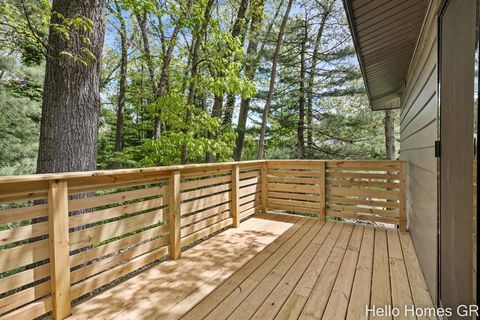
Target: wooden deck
x,y
273,266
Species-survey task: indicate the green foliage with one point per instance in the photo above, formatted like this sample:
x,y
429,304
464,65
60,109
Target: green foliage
x,y
20,101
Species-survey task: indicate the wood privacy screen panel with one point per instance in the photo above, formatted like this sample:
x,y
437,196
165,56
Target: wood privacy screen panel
x,y
114,232
367,191
354,190
65,236
296,186
24,255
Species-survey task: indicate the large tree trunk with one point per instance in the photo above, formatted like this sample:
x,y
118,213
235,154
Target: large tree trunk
x,y
273,74
327,9
195,56
301,99
71,94
122,84
390,134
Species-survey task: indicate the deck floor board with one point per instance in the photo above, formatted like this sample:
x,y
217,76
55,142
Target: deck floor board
x,y
273,267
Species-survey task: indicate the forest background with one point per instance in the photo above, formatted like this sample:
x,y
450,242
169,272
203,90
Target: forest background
x,y
118,84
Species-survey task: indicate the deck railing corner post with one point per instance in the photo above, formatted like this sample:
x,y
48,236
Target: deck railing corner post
x,y
323,192
58,234
174,204
403,196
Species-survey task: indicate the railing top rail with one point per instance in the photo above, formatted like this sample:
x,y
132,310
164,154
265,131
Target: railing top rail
x,y
166,169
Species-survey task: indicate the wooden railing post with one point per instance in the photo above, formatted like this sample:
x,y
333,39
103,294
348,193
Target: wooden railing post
x,y
174,203
322,192
403,196
264,184
59,248
236,195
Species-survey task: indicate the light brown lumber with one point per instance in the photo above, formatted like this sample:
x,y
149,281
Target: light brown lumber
x,y
204,224
175,199
212,269
338,302
59,248
207,191
167,275
186,220
23,213
94,235
371,203
24,277
264,187
206,306
30,311
372,193
99,280
194,184
381,293
235,298
115,212
283,187
295,302
317,301
322,212
203,203
279,295
96,201
24,297
421,296
23,233
117,259
294,196
20,256
255,299
401,295
235,196
360,297
117,245
205,232
403,196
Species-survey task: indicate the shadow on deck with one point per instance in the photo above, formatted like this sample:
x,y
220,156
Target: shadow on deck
x,y
273,266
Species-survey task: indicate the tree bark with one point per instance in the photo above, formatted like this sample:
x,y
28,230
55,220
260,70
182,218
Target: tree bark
x,y
122,84
301,99
327,9
390,134
273,74
71,94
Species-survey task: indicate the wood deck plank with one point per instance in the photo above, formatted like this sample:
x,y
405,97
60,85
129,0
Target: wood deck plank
x,y
317,301
279,295
160,301
231,302
274,266
248,307
129,292
380,291
295,302
203,308
363,278
421,296
338,302
401,294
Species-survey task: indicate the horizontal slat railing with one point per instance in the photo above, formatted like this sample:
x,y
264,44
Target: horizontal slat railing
x,y
66,236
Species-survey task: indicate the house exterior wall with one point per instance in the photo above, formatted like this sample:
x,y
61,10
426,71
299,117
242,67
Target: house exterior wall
x,y
418,132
